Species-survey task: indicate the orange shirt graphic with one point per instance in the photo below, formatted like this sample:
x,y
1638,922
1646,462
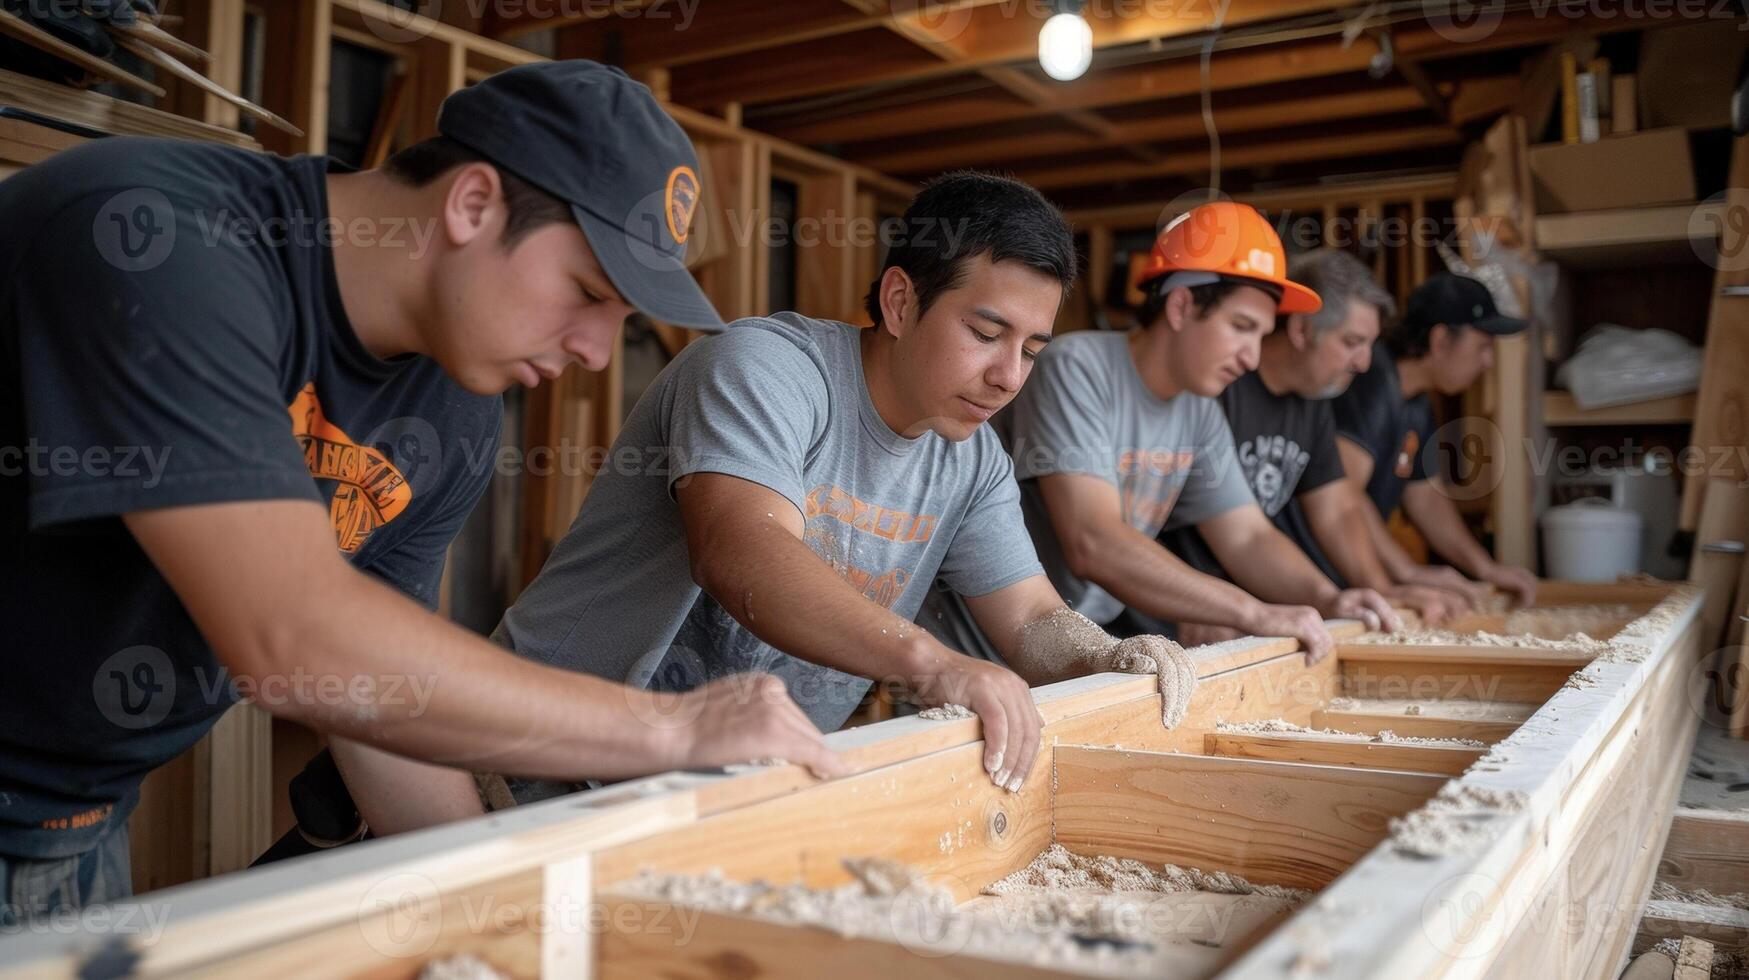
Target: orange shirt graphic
x,y
371,491
827,506
1148,484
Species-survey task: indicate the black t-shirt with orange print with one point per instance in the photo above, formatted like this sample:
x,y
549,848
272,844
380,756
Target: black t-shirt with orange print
x,y
171,334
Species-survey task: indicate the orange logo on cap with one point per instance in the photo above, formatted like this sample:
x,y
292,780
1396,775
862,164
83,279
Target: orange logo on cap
x,y
681,200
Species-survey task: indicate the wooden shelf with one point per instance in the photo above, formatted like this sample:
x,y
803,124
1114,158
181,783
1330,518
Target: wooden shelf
x,y
1631,236
1559,408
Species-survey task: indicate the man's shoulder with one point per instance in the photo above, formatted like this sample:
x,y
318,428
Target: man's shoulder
x,y
823,341
1092,348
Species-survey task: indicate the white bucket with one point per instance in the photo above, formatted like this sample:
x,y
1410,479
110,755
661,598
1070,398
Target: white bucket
x,y
1590,540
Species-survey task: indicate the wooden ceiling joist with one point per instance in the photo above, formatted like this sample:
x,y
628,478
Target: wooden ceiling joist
x,y
1240,68
994,34
928,157
1192,162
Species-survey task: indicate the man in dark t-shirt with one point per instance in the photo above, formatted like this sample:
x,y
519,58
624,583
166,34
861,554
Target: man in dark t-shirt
x,y
1285,433
1384,424
246,402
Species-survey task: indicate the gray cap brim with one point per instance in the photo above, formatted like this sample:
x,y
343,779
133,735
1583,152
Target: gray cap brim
x,y
656,284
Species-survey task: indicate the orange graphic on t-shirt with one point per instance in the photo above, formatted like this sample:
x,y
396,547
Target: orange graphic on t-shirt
x,y
839,504
371,492
827,506
1147,486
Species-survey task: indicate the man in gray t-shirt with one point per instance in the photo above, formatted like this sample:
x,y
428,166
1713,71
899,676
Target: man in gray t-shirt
x,y
783,495
780,402
1118,436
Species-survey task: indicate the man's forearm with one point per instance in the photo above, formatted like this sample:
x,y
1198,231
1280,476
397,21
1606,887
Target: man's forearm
x,y
1438,519
1142,574
412,683
794,601
1397,562
1343,535
1269,566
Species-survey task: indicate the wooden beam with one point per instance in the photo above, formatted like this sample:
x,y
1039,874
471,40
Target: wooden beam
x,y
920,110
1145,214
973,37
1707,849
1258,154
1422,679
1330,750
1416,75
933,155
1412,726
1438,653
1722,418
1224,813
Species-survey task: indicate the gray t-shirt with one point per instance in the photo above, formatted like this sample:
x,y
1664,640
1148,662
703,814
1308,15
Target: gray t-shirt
x,y
1086,410
779,401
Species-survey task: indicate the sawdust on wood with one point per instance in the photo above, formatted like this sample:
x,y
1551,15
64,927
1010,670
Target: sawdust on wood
x,y
1279,726
1386,735
947,712
1574,642
1458,818
1057,869
1663,891
461,966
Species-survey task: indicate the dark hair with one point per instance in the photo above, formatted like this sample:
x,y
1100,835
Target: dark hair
x,y
1411,338
1205,297
962,215
529,207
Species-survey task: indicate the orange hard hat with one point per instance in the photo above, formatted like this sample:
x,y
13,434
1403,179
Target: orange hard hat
x,y
1225,238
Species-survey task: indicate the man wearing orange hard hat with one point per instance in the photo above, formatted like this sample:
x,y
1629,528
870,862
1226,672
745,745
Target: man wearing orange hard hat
x,y
1116,435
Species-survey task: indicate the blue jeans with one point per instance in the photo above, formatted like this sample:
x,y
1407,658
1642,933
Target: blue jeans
x,y
32,888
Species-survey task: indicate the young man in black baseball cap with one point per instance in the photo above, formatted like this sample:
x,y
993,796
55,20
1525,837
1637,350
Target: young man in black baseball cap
x,y
245,403
1384,422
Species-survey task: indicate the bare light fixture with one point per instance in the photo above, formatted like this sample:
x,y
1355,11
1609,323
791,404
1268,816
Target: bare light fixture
x,y
1065,43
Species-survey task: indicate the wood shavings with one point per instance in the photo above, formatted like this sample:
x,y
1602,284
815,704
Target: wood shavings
x,y
1665,892
1278,726
1455,821
1386,735
459,967
1573,643
1057,869
947,712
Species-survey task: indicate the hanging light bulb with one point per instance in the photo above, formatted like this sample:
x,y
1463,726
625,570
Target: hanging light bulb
x,y
1065,46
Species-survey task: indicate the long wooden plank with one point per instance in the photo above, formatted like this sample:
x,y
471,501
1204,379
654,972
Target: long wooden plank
x,y
1272,822
1416,726
1442,653
1707,849
1331,751
1421,679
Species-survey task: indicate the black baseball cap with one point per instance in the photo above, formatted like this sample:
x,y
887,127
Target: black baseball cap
x,y
590,136
1456,300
